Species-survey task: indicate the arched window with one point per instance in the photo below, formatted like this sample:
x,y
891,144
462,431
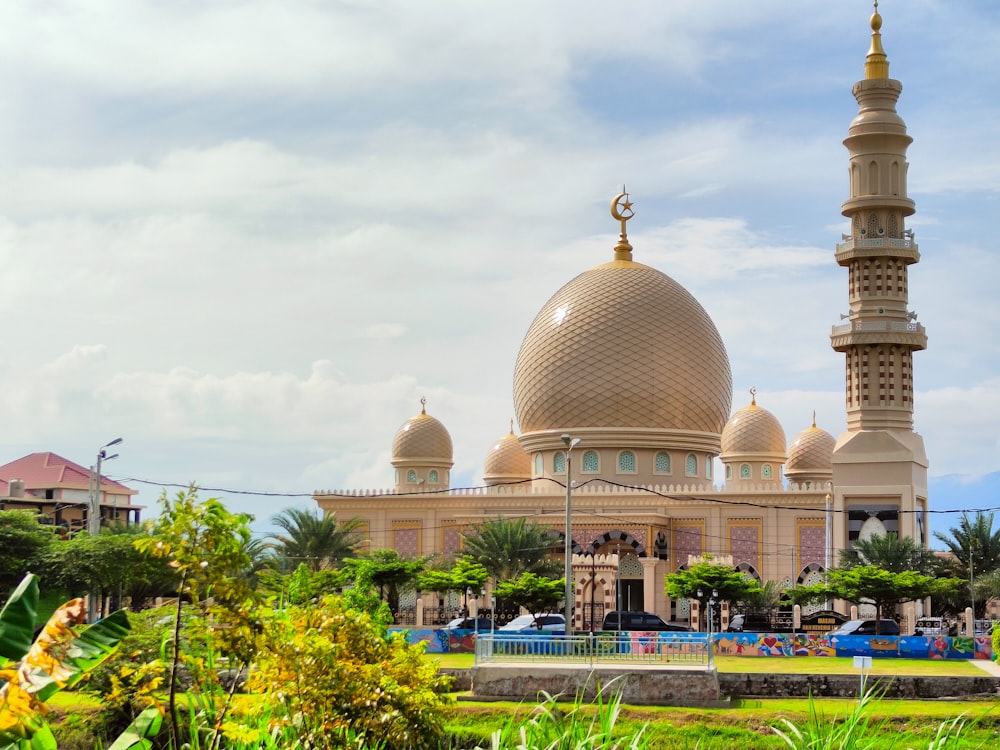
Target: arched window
x,y
662,464
708,467
626,462
433,477
744,471
691,465
765,471
729,471
411,476
591,462
559,463
538,464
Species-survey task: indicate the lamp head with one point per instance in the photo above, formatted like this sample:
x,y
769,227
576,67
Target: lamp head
x,y
116,441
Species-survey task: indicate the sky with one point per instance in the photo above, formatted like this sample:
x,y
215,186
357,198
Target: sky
x,y
247,236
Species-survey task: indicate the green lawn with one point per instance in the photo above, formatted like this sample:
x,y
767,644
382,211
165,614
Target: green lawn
x,y
801,665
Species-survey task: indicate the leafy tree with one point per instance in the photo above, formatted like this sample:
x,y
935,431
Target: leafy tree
x,y
23,541
319,541
533,592
890,552
337,677
871,584
509,547
387,573
207,546
732,585
466,575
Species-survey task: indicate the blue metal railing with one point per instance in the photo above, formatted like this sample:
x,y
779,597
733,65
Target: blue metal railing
x,y
627,647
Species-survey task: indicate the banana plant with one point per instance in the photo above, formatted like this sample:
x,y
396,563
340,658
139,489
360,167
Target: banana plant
x,y
32,668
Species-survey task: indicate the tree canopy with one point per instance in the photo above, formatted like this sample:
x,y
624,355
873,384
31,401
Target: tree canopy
x,y
319,541
891,552
533,592
871,584
732,585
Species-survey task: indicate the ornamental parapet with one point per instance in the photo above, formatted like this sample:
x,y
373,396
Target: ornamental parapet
x,y
889,247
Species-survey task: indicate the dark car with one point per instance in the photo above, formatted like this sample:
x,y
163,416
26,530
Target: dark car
x,y
639,621
867,627
469,623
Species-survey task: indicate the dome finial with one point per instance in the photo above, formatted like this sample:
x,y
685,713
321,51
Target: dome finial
x,y
621,210
814,411
423,404
876,64
753,395
511,426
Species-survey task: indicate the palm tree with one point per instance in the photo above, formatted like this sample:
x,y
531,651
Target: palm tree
x,y
507,548
318,541
890,552
976,549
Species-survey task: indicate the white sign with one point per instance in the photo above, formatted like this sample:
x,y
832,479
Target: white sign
x,y
862,662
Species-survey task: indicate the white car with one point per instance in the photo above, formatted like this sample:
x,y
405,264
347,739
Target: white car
x,y
544,622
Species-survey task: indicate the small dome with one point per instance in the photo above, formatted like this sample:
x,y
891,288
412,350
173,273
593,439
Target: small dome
x,y
753,430
422,437
810,452
507,461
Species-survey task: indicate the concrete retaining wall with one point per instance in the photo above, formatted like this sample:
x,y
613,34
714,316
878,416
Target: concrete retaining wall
x,y
659,687
801,685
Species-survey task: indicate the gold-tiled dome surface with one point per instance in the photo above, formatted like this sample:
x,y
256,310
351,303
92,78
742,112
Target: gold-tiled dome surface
x,y
622,345
507,458
811,450
753,430
422,436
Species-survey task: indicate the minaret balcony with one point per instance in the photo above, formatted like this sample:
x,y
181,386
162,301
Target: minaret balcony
x,y
882,247
873,332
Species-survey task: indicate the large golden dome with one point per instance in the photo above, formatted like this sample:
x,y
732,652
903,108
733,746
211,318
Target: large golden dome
x,y
810,454
622,345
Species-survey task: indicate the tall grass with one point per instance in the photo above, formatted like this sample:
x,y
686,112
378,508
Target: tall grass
x,y
855,731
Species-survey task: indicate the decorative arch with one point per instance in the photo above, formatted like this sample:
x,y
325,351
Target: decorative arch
x,y
560,536
809,573
618,536
748,570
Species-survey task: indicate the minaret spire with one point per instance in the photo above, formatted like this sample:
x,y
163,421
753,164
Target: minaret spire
x,y
877,64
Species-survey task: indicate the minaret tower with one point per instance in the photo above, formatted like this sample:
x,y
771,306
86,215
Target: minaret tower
x,y
879,464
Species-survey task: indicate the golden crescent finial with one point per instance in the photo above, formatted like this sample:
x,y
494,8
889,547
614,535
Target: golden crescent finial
x,y
423,404
621,211
753,396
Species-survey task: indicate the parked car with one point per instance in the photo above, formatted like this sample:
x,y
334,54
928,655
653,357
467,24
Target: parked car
x,y
930,626
867,627
469,623
616,620
542,623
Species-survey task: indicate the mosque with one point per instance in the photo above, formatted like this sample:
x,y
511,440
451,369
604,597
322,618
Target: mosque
x,y
622,387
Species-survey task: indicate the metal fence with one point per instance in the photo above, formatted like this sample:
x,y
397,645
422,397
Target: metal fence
x,y
592,648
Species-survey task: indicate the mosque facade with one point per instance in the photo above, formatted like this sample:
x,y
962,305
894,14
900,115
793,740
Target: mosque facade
x,y
622,387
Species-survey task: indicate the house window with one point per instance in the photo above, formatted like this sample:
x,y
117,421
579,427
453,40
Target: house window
x,y
708,467
745,471
433,477
626,462
559,463
691,465
729,471
538,464
591,462
765,472
411,476
662,463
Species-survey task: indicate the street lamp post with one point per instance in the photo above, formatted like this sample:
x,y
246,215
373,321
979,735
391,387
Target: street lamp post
x,y
570,443
94,514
